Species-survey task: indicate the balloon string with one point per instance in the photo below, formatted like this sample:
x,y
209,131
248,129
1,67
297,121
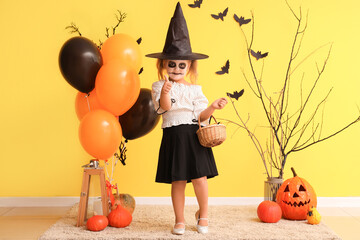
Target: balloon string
x,y
114,162
107,173
87,100
112,167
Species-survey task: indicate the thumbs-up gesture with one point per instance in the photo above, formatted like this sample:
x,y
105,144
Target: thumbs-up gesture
x,y
167,85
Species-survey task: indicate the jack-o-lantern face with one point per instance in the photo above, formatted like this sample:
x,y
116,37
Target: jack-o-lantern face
x,y
296,197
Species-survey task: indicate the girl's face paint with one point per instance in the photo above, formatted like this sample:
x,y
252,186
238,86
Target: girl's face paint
x,y
177,69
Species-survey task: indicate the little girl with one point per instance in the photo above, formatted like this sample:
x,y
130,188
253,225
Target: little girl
x,y
181,158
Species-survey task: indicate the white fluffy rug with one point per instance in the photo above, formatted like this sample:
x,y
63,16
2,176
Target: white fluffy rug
x,y
225,222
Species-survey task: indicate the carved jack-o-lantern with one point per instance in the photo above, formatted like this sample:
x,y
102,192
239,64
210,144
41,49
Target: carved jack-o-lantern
x,y
296,197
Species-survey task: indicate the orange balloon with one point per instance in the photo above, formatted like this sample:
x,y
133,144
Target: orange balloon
x,y
85,103
100,134
117,87
124,48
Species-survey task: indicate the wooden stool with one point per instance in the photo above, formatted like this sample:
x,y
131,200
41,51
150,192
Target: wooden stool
x,y
84,196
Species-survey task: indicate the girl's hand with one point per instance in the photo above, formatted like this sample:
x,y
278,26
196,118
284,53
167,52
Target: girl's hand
x,y
167,85
219,103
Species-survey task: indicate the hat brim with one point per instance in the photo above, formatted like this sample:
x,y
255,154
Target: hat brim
x,y
193,56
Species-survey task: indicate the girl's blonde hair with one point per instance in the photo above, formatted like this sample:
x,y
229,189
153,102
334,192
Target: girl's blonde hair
x,y
193,74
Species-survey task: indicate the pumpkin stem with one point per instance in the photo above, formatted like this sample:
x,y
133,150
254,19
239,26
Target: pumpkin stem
x,y
293,170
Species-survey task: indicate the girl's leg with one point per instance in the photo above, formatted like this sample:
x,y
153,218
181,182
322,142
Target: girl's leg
x,y
178,200
201,192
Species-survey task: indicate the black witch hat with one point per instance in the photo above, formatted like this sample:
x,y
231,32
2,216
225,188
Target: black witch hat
x,y
177,44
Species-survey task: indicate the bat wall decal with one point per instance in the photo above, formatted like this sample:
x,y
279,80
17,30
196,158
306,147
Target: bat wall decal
x,y
197,4
220,15
224,69
258,54
236,94
241,20
139,40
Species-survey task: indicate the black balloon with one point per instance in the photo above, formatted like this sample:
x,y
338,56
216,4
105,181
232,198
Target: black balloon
x,y
141,118
80,61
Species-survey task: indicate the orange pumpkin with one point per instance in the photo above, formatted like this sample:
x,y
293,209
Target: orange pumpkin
x,y
97,223
120,217
269,212
125,200
296,197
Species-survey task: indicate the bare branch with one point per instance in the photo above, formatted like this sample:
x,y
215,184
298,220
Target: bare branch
x,y
252,137
242,70
305,58
302,32
257,82
235,123
107,34
310,120
73,28
293,11
100,44
309,95
290,62
331,135
286,91
289,132
120,19
311,137
322,120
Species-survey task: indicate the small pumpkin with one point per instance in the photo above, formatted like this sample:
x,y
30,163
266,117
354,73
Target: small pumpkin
x,y
125,200
313,216
120,217
97,223
295,197
269,212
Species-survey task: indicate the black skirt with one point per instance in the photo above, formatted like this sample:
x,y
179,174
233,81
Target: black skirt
x,y
182,158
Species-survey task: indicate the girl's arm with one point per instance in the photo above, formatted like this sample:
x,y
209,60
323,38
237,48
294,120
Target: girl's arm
x,y
165,100
217,104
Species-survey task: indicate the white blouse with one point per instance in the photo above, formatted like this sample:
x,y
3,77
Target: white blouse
x,y
187,102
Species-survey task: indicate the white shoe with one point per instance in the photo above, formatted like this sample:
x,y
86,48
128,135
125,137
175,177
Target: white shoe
x,y
178,231
200,229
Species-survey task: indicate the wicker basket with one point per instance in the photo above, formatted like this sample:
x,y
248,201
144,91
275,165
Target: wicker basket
x,y
211,135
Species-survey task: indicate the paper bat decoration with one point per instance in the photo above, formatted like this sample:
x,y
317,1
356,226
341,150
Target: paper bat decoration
x,y
241,20
236,94
258,54
141,70
224,69
220,15
139,40
196,4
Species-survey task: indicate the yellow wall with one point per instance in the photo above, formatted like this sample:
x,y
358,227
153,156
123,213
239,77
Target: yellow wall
x,y
40,152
